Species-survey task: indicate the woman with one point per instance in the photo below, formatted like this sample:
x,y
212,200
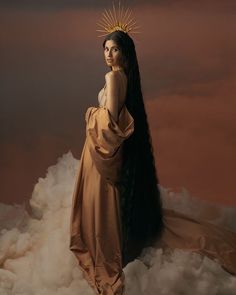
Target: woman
x,y
117,209
109,227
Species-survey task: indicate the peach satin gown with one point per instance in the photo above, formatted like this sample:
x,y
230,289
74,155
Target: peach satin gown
x,y
95,219
95,231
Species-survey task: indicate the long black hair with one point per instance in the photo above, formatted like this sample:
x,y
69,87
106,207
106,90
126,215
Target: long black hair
x,y
140,200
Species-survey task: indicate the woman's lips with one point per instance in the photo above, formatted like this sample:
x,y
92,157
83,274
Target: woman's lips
x,y
109,59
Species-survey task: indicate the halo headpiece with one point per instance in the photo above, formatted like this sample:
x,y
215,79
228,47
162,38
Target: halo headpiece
x,y
117,19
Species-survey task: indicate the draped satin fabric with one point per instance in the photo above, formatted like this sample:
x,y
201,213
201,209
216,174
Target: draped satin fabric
x,y
186,233
96,236
95,231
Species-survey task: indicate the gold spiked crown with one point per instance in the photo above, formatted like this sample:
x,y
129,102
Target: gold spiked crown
x,y
117,19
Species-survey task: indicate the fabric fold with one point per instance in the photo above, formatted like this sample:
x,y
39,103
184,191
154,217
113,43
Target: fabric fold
x,y
105,137
186,233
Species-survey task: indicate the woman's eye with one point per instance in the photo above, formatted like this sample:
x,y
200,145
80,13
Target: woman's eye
x,y
114,49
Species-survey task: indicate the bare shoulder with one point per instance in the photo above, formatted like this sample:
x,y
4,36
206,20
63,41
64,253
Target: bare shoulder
x,y
111,76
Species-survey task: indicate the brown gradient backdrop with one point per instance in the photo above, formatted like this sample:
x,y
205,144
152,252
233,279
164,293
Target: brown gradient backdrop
x,y
52,68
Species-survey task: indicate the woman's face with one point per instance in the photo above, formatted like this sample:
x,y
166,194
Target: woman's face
x,y
112,54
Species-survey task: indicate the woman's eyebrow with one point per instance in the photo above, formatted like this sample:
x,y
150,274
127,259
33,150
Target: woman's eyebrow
x,y
111,46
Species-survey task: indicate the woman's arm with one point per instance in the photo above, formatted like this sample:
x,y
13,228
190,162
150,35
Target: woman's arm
x,y
112,103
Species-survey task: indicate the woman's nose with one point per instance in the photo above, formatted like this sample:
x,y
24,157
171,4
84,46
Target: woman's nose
x,y
109,53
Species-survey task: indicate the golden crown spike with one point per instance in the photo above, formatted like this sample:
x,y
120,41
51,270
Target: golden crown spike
x,y
117,20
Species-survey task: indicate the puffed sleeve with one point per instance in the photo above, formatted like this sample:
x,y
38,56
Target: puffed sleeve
x,y
105,137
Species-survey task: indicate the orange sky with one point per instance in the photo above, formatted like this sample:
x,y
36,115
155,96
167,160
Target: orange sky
x,y
52,69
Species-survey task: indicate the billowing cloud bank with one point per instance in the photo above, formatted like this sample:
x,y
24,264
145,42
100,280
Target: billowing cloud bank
x,y
35,256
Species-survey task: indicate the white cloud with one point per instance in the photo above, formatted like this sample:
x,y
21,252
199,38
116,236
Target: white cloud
x,y
35,256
